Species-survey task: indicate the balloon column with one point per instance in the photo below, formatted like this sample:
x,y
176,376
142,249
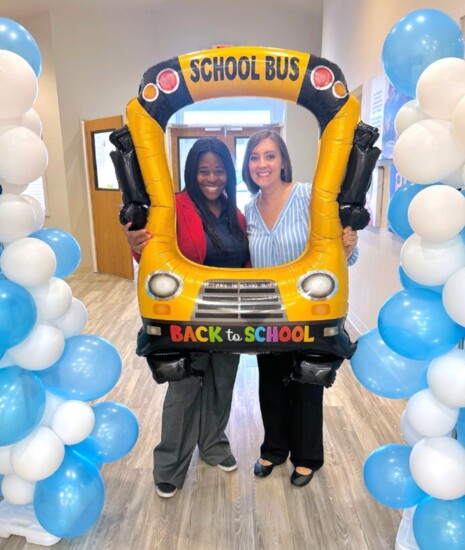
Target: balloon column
x,y
52,442
415,351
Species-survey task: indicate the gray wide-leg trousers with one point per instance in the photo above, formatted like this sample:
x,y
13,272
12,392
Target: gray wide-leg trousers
x,y
195,412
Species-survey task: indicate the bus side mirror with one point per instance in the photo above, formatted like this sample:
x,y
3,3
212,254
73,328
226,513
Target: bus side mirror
x,y
362,160
135,198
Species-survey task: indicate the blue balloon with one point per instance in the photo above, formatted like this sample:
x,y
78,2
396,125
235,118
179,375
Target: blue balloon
x,y
384,372
398,208
22,403
71,500
387,477
440,524
15,38
417,40
65,247
115,433
1,479
414,324
461,427
407,282
88,369
18,314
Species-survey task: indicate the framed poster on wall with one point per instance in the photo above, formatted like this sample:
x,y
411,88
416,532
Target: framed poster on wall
x,y
385,102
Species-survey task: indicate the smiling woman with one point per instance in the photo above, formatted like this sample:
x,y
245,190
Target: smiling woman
x,y
297,306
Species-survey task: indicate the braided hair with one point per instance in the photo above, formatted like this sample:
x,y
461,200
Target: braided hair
x,y
201,147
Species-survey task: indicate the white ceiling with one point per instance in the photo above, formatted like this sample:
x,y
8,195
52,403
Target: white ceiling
x,y
26,8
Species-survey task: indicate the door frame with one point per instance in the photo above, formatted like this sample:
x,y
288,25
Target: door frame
x,y
227,134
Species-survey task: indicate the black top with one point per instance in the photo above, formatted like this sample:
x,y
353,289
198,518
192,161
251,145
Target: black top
x,y
235,252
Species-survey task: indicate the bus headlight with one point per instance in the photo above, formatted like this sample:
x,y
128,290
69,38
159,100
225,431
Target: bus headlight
x,y
317,285
163,285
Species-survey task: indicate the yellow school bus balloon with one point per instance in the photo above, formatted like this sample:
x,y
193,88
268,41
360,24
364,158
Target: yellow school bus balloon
x,y
175,294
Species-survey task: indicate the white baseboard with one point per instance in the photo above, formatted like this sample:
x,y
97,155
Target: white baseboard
x,y
356,323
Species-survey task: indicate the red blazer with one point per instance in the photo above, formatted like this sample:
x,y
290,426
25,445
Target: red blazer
x,y
190,232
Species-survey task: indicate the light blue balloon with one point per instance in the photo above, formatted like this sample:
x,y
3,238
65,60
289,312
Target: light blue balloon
x,y
417,40
384,372
407,282
115,433
88,369
387,477
461,427
15,38
398,209
22,404
65,247
18,314
440,524
1,479
71,500
414,324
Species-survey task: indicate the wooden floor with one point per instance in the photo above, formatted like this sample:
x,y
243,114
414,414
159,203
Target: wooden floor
x,y
216,510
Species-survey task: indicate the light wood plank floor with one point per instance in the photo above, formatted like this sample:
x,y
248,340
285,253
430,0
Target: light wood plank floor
x,y
216,510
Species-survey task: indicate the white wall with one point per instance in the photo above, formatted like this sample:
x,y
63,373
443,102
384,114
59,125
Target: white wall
x,y
353,36
48,109
98,57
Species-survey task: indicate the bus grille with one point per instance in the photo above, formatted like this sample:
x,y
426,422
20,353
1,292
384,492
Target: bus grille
x,y
232,301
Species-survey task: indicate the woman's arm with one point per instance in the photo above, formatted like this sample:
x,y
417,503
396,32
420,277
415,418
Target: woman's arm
x,y
349,241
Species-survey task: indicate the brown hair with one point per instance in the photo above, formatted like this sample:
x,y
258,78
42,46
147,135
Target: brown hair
x,y
254,140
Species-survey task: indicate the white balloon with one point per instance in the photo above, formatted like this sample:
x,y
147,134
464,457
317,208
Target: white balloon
x,y
441,86
73,421
426,152
429,416
29,262
17,490
453,296
37,456
11,121
18,85
458,124
74,320
457,179
437,213
437,465
12,188
52,401
23,155
32,121
41,349
446,378
407,115
17,218
39,211
431,263
411,436
52,299
5,460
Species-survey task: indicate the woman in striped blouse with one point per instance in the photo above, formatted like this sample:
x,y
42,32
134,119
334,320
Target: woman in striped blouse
x,y
277,227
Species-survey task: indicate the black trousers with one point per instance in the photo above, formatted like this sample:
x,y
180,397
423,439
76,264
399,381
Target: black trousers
x,y
292,415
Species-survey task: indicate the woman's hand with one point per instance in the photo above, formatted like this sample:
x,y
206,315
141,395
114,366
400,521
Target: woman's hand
x,y
349,240
136,239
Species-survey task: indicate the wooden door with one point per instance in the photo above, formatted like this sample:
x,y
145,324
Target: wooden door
x,y
111,247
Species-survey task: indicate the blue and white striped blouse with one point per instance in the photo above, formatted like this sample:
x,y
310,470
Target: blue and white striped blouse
x,y
288,238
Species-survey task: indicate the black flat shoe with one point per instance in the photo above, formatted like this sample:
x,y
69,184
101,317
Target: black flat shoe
x,y
261,470
300,480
